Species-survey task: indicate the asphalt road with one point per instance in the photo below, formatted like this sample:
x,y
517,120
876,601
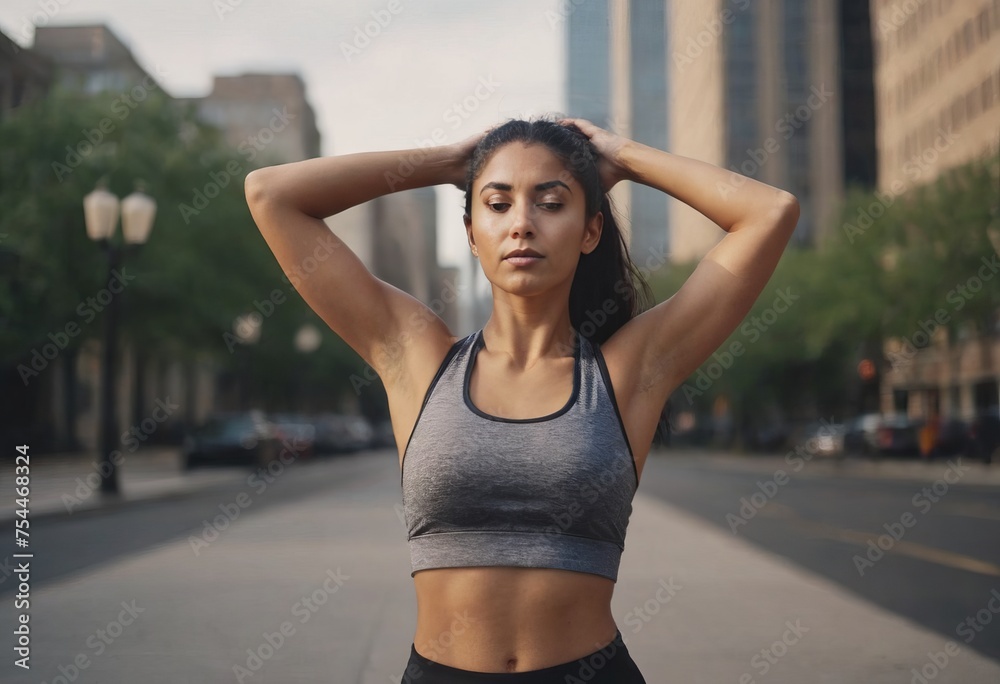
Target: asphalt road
x,y
934,551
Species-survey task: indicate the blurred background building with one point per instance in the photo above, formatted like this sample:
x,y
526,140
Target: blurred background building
x,y
266,119
265,114
617,78
25,75
938,81
752,86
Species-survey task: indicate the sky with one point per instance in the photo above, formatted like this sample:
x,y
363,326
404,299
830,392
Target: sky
x,y
380,74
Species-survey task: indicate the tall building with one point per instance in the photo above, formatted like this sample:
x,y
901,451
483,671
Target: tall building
x,y
649,124
938,94
25,75
588,45
616,77
395,236
266,117
759,87
91,59
938,77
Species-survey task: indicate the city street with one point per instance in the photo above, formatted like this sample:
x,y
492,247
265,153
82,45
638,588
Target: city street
x,y
303,576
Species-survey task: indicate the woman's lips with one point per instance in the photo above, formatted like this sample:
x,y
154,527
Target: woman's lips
x,y
522,260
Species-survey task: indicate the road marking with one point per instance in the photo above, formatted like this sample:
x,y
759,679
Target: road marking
x,y
983,511
914,550
903,547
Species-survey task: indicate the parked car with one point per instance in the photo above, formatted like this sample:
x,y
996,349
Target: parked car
x,y
822,438
952,438
984,435
898,435
296,433
861,434
338,433
773,436
231,438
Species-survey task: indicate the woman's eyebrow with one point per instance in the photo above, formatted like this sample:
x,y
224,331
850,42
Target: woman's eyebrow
x,y
506,187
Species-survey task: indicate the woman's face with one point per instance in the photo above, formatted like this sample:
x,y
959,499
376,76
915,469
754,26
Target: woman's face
x,y
525,199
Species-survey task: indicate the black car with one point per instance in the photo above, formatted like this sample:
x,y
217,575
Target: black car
x,y
231,438
899,435
984,435
952,438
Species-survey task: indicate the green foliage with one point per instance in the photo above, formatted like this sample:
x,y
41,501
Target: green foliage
x,y
205,262
886,264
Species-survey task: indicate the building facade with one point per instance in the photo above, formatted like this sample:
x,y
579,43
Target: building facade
x,y
25,75
616,77
759,87
938,78
265,117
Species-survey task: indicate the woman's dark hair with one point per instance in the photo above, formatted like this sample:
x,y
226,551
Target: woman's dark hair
x,y
607,290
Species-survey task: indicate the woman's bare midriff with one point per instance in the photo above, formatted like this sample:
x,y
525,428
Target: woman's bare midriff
x,y
504,619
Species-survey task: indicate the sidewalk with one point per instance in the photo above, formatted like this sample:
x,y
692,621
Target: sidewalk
x,y
694,604
65,484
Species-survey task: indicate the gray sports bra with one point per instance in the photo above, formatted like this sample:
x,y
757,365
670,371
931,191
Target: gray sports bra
x,y
548,492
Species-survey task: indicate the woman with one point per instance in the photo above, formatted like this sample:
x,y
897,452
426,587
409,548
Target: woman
x,y
522,444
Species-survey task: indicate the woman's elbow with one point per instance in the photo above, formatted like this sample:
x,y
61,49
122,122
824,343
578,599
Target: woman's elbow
x,y
788,209
255,186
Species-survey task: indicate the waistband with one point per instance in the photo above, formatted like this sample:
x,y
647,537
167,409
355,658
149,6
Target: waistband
x,y
610,663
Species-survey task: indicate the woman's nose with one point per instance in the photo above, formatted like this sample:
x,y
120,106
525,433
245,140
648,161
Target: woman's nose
x,y
521,222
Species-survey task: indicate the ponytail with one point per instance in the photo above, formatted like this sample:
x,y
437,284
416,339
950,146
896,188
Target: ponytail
x,y
608,290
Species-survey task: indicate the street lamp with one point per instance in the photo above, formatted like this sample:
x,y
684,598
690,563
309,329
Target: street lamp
x,y
247,328
307,340
101,211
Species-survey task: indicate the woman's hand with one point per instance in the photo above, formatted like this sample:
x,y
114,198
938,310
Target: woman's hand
x,y
609,146
462,153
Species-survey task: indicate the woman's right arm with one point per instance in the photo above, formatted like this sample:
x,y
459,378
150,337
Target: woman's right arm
x,y
289,202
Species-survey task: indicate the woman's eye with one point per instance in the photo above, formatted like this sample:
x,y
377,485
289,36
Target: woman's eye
x,y
550,205
494,205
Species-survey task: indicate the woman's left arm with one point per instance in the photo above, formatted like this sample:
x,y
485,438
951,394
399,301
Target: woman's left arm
x,y
670,341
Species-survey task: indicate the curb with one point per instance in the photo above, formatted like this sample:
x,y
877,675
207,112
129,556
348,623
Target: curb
x,y
114,505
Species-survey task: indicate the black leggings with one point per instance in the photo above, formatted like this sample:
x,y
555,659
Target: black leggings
x,y
609,665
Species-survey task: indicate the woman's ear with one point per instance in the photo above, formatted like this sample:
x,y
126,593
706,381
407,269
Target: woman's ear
x,y
592,233
468,233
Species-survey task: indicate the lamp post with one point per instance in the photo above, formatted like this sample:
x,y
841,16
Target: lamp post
x,y
101,211
247,329
307,340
